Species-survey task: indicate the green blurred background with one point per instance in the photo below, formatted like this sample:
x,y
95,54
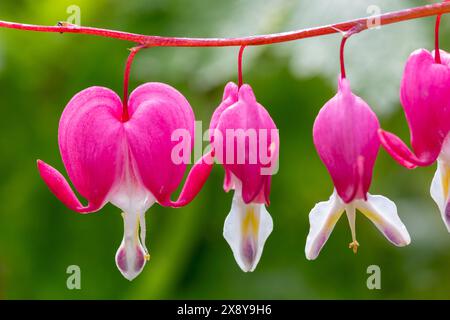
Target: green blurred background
x,y
39,73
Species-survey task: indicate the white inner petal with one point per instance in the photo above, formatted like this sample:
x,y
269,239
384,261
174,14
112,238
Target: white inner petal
x,y
246,230
380,210
440,190
131,255
322,219
130,195
383,213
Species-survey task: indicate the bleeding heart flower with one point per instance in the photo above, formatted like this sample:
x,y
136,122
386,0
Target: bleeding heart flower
x,y
425,97
127,163
245,141
345,136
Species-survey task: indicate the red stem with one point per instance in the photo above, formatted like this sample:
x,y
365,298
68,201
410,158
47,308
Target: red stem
x,y
341,56
241,52
356,29
148,41
437,53
134,51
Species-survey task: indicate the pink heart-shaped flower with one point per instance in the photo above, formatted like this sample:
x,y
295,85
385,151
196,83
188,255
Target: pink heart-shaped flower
x,y
128,163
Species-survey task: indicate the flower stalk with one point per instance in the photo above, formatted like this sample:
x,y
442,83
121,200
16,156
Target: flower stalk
x,y
241,53
345,35
126,78
436,35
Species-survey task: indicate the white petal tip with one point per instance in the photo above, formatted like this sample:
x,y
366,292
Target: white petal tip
x,y
129,276
246,230
322,219
131,262
310,256
247,269
403,243
312,248
383,213
398,237
247,253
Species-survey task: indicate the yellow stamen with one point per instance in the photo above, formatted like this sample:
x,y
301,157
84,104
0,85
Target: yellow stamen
x,y
354,246
351,215
136,232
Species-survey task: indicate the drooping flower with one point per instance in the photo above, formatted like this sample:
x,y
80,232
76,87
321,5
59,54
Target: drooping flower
x,y
245,141
127,163
345,136
425,97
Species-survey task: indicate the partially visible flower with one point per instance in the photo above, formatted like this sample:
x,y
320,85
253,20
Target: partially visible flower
x,y
127,163
345,136
425,97
245,141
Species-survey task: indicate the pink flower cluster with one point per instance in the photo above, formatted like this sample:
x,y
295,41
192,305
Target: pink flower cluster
x,y
129,163
122,152
347,136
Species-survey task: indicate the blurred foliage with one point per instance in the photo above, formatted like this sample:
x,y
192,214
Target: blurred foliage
x,y
40,72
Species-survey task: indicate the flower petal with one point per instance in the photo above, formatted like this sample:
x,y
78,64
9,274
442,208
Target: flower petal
x,y
230,96
246,230
156,111
440,191
383,213
322,219
425,97
59,186
345,136
197,177
132,255
90,135
400,152
246,131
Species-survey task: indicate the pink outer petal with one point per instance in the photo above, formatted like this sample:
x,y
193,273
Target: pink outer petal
x,y
90,136
230,96
194,182
425,96
399,151
156,111
245,114
345,136
59,186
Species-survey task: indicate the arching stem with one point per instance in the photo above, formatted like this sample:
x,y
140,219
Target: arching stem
x,y
158,41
